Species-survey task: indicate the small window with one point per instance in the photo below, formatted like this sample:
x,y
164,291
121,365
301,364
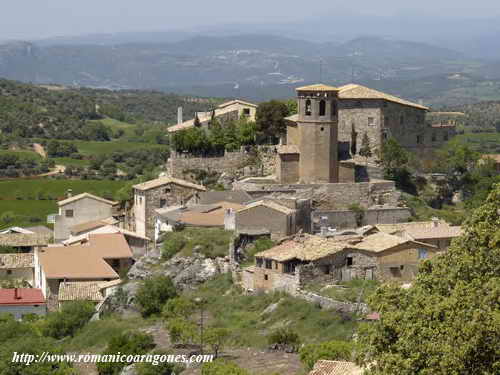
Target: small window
x,y
258,262
140,200
419,139
371,121
401,267
246,111
9,272
308,107
266,277
395,271
322,108
163,203
269,264
349,261
275,265
359,104
322,129
334,109
167,190
422,254
69,213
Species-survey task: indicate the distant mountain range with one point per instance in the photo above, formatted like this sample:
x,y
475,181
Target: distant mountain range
x,y
253,66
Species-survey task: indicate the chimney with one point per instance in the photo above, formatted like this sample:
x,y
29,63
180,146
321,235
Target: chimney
x,y
179,116
69,193
17,294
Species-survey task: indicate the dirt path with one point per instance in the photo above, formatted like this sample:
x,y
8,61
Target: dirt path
x,y
38,148
56,170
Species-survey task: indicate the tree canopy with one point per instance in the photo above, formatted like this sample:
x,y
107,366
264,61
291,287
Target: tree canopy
x,y
448,322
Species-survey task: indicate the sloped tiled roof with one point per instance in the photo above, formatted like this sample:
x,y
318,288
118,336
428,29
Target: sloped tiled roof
x,y
381,241
80,291
168,180
237,101
85,195
324,367
10,261
233,196
26,296
317,87
89,225
392,228
272,205
21,239
434,232
305,248
354,91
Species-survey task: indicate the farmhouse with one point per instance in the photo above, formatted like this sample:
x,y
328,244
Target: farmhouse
x,y
22,301
160,193
80,209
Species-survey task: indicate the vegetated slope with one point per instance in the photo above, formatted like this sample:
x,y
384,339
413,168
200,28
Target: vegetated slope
x,y
56,112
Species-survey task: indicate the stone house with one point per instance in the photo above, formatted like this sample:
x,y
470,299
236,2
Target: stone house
x,y
22,301
70,291
308,258
25,242
160,193
436,232
17,267
101,259
217,215
225,112
80,209
278,220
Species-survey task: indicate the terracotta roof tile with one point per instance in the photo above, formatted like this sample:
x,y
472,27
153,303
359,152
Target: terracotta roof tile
x,y
28,296
21,239
80,291
434,232
353,91
381,241
317,87
392,228
324,367
168,180
272,205
85,195
233,196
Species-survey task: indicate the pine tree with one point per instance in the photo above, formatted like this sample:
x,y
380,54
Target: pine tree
x,y
197,122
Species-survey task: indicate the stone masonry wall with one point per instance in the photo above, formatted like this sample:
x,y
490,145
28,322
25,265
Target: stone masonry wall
x,y
344,219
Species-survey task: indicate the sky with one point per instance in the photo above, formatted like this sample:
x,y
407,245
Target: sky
x,y
33,19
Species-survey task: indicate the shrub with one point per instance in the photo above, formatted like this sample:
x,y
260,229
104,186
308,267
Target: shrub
x,y
331,350
126,343
178,307
284,336
174,242
153,293
66,322
182,331
158,368
222,368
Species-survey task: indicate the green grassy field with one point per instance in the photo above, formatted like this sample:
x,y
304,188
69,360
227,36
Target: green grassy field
x,y
20,197
89,148
24,154
116,125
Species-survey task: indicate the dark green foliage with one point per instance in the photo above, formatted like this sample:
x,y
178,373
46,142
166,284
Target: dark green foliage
x,y
365,150
15,164
60,149
158,368
174,242
270,119
221,367
284,336
125,343
330,350
153,293
394,160
73,316
448,321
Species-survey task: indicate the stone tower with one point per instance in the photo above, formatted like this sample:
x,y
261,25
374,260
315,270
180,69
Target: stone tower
x,y
317,134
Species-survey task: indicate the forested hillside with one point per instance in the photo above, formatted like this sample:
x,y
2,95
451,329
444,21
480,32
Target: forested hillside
x,y
56,112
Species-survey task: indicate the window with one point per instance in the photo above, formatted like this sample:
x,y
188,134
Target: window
x,y
308,107
140,200
269,264
322,129
69,213
322,108
326,269
433,137
258,262
167,190
419,139
359,104
9,272
395,271
371,121
163,202
349,261
422,254
246,111
266,277
275,265
289,267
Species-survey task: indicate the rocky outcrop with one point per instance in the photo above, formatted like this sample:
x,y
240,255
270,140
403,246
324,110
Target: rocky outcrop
x,y
185,272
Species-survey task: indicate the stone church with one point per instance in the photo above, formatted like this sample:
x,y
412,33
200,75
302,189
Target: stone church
x,y
331,123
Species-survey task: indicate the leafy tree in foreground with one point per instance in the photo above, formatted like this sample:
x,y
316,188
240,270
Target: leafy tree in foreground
x,y
153,293
448,322
270,118
74,315
330,350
